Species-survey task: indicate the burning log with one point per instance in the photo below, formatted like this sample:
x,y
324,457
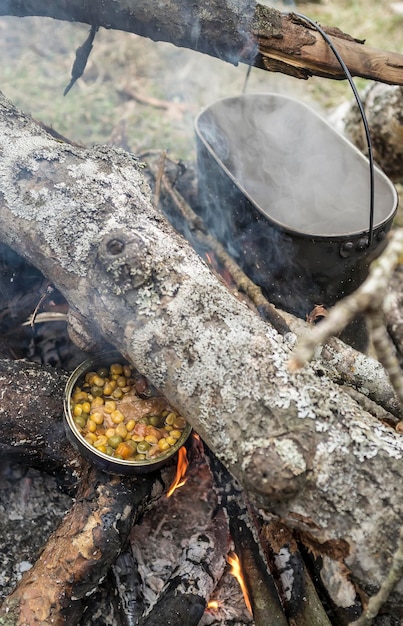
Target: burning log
x,y
254,34
295,441
185,595
80,552
259,589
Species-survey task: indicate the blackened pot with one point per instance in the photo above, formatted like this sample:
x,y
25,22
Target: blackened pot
x,y
289,197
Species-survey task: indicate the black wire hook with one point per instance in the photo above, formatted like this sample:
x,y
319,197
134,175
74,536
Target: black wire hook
x,y
362,112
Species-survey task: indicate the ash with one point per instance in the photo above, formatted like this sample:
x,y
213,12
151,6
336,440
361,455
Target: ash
x,y
31,507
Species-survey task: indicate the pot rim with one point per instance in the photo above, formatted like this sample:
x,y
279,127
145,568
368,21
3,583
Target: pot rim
x,y
275,222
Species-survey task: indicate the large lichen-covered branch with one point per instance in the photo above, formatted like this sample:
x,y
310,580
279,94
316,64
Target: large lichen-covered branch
x,y
295,441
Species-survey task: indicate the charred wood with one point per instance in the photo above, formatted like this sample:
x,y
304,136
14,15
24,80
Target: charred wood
x,y
31,419
190,527
185,595
81,551
302,604
261,590
254,34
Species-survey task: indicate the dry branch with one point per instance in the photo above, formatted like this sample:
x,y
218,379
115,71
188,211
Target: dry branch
x,y
295,441
254,34
81,551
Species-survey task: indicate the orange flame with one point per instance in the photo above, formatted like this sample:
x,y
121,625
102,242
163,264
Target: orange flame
x,y
210,258
213,604
236,571
181,468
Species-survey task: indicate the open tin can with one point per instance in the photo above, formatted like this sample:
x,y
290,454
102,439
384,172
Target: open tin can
x,y
86,448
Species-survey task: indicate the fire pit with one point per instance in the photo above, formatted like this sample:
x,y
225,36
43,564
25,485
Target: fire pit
x,y
289,198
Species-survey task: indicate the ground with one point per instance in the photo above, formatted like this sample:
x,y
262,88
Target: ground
x,y
37,55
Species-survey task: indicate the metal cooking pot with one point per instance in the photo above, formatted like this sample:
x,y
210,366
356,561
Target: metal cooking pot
x,y
289,198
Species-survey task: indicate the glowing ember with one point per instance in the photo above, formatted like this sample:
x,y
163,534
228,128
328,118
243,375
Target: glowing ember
x,y
213,604
236,571
181,468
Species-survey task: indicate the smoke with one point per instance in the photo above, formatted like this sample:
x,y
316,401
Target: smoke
x,y
293,166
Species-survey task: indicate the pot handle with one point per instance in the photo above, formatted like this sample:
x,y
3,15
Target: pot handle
x,y
363,116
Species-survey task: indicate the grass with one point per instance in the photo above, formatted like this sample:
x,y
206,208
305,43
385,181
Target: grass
x,y
37,55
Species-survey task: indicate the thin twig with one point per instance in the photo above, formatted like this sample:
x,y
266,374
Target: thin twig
x,y
160,172
394,575
243,282
43,297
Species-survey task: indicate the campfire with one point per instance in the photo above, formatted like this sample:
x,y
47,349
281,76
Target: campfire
x,y
263,514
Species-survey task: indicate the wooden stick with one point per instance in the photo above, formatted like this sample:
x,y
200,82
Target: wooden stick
x,y
81,551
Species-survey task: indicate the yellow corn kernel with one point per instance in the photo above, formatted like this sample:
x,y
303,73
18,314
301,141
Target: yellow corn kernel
x,y
121,430
117,417
108,388
91,426
176,434
116,368
90,437
78,409
151,439
171,440
101,441
97,417
110,406
97,402
89,377
163,444
170,418
101,448
130,425
86,407
110,432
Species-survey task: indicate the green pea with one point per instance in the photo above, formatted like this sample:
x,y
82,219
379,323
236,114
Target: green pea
x,y
96,391
143,446
156,420
80,421
114,441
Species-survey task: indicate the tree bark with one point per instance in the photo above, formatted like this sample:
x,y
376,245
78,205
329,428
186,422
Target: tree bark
x,y
384,112
253,34
296,442
81,551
